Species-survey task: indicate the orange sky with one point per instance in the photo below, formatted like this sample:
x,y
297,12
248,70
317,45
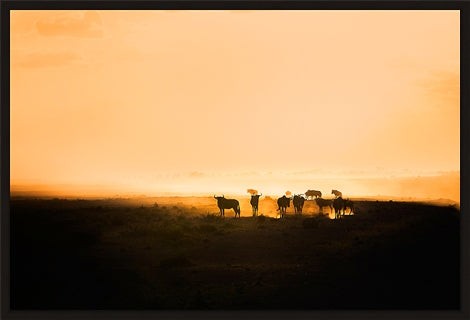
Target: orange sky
x,y
225,101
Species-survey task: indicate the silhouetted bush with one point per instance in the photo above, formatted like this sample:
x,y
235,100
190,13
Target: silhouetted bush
x,y
211,217
309,223
261,218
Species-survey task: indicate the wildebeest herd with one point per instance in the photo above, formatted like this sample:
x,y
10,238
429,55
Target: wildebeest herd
x,y
338,205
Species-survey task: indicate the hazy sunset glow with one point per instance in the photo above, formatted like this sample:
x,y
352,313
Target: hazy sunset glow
x,y
367,102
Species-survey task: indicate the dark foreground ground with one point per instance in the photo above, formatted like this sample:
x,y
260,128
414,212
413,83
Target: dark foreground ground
x,y
116,254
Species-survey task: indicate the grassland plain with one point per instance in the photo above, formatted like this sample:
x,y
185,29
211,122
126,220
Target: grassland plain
x,y
177,253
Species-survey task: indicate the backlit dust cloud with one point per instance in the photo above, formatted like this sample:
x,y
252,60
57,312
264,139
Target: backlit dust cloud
x,y
204,102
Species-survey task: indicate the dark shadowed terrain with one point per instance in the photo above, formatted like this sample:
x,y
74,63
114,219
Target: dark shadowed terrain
x,y
166,253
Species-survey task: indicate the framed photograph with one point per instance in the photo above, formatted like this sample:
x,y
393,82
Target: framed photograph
x,y
226,158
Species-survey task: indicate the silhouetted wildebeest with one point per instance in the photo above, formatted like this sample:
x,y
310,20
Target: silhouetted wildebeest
x,y
298,203
336,193
338,205
223,204
282,203
349,204
324,203
254,203
313,193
